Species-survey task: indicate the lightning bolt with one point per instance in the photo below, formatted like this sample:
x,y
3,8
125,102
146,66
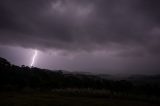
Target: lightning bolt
x,y
34,57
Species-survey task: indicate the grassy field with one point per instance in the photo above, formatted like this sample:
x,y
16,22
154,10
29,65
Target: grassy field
x,y
62,98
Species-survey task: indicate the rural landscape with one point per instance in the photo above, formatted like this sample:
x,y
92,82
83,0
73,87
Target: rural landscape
x,y
79,52
31,86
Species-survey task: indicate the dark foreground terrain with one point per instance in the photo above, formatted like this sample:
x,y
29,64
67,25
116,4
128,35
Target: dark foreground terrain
x,y
31,86
66,99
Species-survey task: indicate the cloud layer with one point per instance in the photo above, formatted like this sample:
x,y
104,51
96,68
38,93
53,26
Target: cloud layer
x,y
80,24
128,30
103,33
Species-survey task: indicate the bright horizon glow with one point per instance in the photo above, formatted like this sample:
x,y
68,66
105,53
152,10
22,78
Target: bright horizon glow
x,y
34,57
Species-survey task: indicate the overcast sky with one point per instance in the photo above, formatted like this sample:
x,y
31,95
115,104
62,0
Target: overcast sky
x,y
99,36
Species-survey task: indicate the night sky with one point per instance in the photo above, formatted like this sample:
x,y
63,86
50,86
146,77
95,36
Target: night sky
x,y
98,36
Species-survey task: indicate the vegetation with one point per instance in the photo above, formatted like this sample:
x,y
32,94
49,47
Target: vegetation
x,y
24,85
59,99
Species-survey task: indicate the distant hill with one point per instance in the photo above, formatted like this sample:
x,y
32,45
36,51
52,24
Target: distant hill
x,y
4,62
15,78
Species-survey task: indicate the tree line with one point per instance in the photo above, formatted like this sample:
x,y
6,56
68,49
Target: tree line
x,y
17,78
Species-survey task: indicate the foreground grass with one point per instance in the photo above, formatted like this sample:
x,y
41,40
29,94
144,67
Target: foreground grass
x,y
66,98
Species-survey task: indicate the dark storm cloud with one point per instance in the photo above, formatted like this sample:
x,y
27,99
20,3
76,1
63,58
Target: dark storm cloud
x,y
82,25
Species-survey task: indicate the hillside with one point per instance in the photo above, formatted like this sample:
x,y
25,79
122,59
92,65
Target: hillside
x,y
25,81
